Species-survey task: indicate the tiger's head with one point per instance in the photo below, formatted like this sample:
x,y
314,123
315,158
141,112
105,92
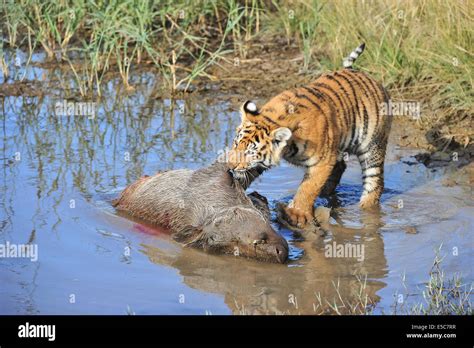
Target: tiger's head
x,y
257,146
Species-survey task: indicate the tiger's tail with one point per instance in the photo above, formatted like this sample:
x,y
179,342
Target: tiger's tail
x,y
348,61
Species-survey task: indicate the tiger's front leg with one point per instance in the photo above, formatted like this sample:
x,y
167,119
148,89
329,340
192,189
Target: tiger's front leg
x,y
300,211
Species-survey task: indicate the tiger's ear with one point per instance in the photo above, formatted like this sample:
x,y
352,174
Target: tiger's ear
x,y
249,107
281,134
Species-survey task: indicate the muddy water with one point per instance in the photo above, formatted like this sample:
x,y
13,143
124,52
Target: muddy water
x,y
59,174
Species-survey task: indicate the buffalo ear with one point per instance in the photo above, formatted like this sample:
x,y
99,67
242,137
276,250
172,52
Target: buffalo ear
x,y
198,237
260,202
281,134
188,235
248,108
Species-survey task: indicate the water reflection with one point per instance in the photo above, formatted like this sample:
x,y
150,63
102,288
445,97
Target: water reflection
x,y
59,173
255,288
54,166
127,135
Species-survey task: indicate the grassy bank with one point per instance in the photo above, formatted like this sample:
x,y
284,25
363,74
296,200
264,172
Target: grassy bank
x,y
418,48
439,295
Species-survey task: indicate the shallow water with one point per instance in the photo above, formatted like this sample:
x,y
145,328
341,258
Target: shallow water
x,y
59,174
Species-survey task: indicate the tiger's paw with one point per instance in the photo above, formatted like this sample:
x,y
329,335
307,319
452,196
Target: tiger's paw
x,y
297,217
313,228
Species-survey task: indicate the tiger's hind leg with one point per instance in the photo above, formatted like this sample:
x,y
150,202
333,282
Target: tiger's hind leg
x,y
372,162
334,179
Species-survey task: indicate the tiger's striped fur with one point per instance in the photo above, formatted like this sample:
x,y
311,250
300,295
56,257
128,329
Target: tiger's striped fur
x,y
312,127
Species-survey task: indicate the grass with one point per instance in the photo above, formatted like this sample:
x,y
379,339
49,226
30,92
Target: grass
x,y
95,37
360,304
441,296
418,48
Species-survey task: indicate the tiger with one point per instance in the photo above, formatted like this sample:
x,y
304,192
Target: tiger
x,y
314,127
